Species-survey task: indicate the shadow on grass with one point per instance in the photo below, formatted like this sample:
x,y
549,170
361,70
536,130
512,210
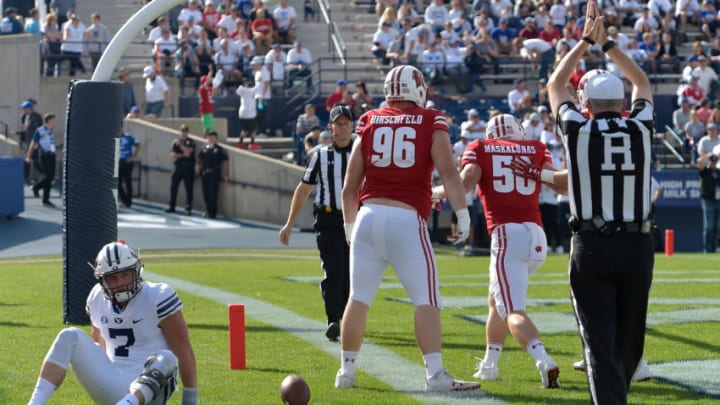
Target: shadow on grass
x,y
669,394
14,324
259,328
683,339
271,370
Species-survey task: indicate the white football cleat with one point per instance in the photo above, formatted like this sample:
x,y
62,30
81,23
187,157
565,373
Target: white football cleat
x,y
344,380
549,373
442,381
642,372
580,365
484,371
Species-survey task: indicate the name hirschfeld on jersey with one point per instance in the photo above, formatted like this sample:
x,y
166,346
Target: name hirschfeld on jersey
x,y
396,119
518,149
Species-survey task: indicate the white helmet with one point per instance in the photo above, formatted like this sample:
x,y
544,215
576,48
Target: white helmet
x,y
116,257
405,83
582,96
504,126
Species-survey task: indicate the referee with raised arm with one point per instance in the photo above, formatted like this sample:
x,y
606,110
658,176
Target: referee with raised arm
x,y
611,260
326,171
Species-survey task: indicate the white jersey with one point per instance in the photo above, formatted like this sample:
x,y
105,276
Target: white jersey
x,y
133,333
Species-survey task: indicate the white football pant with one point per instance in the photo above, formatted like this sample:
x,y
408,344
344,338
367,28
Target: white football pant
x,y
518,249
396,236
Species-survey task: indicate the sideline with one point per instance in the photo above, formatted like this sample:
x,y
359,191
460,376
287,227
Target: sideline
x,y
383,364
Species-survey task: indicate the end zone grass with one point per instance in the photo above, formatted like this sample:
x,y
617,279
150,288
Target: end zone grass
x,y
31,316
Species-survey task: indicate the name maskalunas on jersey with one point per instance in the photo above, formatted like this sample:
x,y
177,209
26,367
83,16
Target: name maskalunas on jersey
x,y
137,322
504,195
396,148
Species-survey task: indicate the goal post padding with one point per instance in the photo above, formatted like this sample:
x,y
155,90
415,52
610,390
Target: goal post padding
x,y
94,121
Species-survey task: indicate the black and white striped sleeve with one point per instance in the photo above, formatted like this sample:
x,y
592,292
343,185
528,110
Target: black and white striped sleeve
x,y
312,169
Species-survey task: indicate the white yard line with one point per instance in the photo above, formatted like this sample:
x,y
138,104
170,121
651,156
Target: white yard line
x,y
383,364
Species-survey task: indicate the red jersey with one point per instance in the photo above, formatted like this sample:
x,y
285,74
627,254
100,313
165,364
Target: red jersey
x,y
396,147
263,26
211,19
507,198
333,98
693,92
207,105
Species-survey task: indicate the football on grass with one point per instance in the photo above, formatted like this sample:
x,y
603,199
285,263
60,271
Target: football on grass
x,y
294,390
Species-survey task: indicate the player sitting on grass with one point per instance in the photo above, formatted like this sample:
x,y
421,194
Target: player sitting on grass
x,y
139,339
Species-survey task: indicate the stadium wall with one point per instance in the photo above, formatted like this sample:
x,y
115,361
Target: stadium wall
x,y
260,188
19,71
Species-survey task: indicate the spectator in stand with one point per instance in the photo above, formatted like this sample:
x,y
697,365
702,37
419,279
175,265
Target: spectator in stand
x,y
622,40
247,111
210,19
298,63
455,67
530,30
650,46
242,38
660,8
74,35
715,55
275,60
52,43
483,21
98,37
335,97
457,9
325,138
192,11
708,80
473,128
263,93
692,91
708,143
157,92
540,99
667,55
285,16
704,110
311,139
524,9
558,14
193,29
708,20
62,8
436,14
693,63
222,33
381,41
569,37
501,9
694,131
687,10
361,97
204,52
128,91
226,61
407,12
516,96
206,103
550,33
134,113
578,73
32,22
415,43
432,64
306,121
259,5
533,126
488,52
229,18
540,52
645,18
156,33
504,37
187,64
165,48
447,31
681,116
262,32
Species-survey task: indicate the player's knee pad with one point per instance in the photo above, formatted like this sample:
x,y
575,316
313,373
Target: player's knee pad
x,y
159,376
60,352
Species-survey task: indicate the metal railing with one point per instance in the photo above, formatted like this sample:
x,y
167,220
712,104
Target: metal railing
x,y
336,43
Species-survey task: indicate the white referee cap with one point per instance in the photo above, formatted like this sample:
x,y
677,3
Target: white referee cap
x,y
604,86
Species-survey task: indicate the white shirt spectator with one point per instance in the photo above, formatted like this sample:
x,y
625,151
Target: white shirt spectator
x,y
262,76
234,47
693,7
436,14
155,34
652,22
187,13
75,37
514,97
501,8
454,55
247,108
165,44
536,45
656,6
459,148
155,89
226,60
275,60
534,126
473,129
707,77
384,37
299,58
432,58
284,16
558,14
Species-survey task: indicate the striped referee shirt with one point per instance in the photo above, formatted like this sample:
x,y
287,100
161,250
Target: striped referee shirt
x,y
609,159
326,170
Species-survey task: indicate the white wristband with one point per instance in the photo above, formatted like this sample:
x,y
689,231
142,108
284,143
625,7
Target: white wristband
x,y
547,176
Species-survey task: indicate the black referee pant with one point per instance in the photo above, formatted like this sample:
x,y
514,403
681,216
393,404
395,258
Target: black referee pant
x,y
610,279
335,262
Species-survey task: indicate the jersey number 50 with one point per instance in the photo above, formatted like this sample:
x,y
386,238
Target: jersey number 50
x,y
393,146
504,181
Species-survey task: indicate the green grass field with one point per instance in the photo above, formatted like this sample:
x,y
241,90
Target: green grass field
x,y
287,337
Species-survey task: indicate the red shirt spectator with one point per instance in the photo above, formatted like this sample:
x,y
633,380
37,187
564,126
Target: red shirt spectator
x,y
693,91
262,26
336,96
550,34
211,16
530,30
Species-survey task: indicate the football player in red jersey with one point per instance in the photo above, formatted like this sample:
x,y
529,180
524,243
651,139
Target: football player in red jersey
x,y
518,246
386,202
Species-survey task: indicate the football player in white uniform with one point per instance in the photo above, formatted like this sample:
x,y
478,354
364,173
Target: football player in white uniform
x,y
139,339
